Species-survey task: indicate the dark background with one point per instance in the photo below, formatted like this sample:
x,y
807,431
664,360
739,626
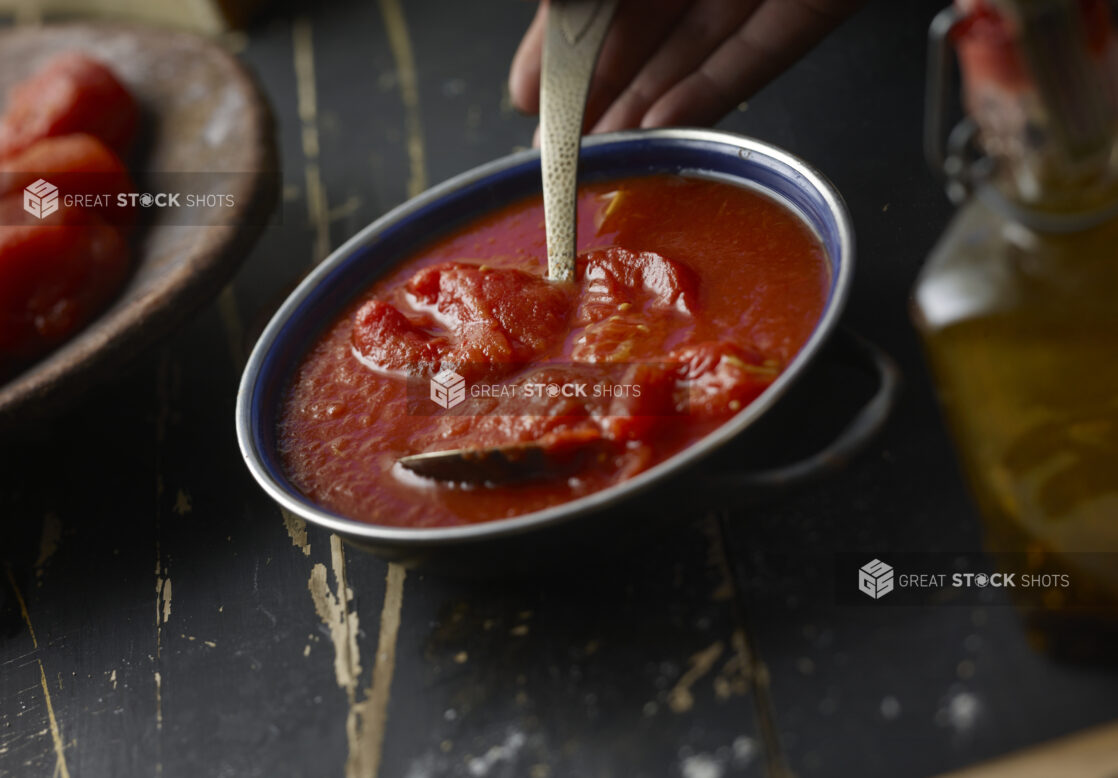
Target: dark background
x,y
565,675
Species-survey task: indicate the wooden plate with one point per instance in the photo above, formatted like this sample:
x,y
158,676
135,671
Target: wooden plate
x,y
202,114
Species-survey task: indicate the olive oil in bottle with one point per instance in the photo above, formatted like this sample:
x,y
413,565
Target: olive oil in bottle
x,y
1018,302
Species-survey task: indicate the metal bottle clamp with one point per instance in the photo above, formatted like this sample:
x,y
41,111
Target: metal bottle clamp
x,y
958,161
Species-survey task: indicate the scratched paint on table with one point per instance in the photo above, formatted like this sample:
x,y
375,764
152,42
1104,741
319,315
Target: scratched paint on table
x,y
333,607
296,530
61,768
318,207
367,716
680,699
163,394
400,40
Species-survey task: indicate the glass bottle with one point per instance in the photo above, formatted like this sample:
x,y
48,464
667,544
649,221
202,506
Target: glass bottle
x,y
1018,302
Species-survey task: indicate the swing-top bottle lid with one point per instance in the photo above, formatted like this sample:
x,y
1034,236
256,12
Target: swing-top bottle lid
x,y
1040,80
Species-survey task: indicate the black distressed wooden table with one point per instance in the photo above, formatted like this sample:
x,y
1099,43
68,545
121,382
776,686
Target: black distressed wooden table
x,y
160,617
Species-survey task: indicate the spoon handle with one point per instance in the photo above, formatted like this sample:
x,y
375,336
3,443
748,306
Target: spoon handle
x,y
575,31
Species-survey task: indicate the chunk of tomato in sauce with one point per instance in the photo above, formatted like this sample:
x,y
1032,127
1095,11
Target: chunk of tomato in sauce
x,y
632,305
719,378
616,276
385,339
707,381
469,316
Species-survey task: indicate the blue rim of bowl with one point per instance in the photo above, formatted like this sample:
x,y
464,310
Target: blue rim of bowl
x,y
350,269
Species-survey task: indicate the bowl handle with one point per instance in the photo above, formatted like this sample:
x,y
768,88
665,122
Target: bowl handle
x,y
856,351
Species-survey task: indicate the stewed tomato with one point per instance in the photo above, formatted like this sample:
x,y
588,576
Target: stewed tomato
x,y
691,295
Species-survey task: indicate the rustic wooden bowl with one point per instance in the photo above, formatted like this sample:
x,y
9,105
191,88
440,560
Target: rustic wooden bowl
x,y
202,114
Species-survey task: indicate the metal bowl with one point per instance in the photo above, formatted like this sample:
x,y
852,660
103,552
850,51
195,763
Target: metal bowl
x,y
354,266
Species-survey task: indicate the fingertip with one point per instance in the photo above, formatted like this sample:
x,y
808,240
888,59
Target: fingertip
x,y
536,138
622,115
661,114
524,74
605,124
609,123
687,103
524,90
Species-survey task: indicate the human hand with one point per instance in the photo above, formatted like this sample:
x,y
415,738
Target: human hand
x,y
673,62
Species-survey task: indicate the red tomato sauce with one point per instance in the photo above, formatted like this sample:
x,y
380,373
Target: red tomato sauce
x,y
691,296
